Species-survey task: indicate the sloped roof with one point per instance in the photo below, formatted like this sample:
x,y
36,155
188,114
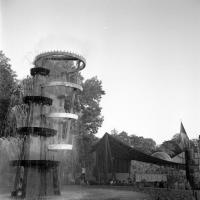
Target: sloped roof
x,y
162,155
123,151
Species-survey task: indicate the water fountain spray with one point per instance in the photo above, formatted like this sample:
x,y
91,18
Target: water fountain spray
x,y
45,127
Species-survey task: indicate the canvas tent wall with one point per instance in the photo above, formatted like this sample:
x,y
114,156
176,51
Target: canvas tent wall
x,y
113,156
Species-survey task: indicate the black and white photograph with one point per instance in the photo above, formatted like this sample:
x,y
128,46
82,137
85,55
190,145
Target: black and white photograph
x,y
99,99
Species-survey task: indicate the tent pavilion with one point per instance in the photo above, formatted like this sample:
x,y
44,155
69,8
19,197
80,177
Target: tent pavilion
x,y
113,156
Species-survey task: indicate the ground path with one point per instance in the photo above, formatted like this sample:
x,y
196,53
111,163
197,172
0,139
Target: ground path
x,y
93,193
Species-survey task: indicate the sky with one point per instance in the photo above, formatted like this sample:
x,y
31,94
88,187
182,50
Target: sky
x,y
146,52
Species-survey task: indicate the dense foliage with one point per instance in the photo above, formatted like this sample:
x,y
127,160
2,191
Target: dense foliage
x,y
8,84
172,146
145,145
89,121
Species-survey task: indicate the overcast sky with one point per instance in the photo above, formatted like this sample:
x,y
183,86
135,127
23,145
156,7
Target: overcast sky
x,y
146,52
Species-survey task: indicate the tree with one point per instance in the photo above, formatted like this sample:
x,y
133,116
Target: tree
x,y
172,147
145,145
8,84
178,144
122,136
114,132
89,121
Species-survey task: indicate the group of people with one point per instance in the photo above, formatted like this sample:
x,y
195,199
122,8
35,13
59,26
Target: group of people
x,y
113,181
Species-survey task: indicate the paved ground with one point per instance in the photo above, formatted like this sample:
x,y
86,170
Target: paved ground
x,y
93,193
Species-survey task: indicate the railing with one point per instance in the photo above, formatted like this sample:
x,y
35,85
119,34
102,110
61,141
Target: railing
x,y
28,83
68,77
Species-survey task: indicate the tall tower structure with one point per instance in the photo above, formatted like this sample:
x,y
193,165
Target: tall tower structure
x,y
45,128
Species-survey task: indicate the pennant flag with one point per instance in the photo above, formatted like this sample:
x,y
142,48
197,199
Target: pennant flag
x,y
183,139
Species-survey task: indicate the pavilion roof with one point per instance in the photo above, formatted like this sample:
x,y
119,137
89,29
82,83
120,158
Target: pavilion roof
x,y
122,151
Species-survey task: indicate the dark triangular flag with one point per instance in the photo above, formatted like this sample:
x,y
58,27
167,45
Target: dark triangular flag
x,y
182,129
183,138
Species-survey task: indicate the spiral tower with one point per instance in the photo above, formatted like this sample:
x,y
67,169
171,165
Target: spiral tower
x,y
50,101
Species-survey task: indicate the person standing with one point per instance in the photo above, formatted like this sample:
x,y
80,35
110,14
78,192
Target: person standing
x,y
83,171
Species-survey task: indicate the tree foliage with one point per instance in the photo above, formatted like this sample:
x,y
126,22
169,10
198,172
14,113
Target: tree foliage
x,y
170,147
145,145
173,148
90,119
8,85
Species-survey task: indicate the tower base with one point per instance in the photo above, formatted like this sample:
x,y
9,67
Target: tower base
x,y
35,182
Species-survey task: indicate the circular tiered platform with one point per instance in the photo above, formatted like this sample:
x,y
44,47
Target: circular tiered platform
x,y
64,83
37,131
38,100
59,147
39,71
63,115
40,164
